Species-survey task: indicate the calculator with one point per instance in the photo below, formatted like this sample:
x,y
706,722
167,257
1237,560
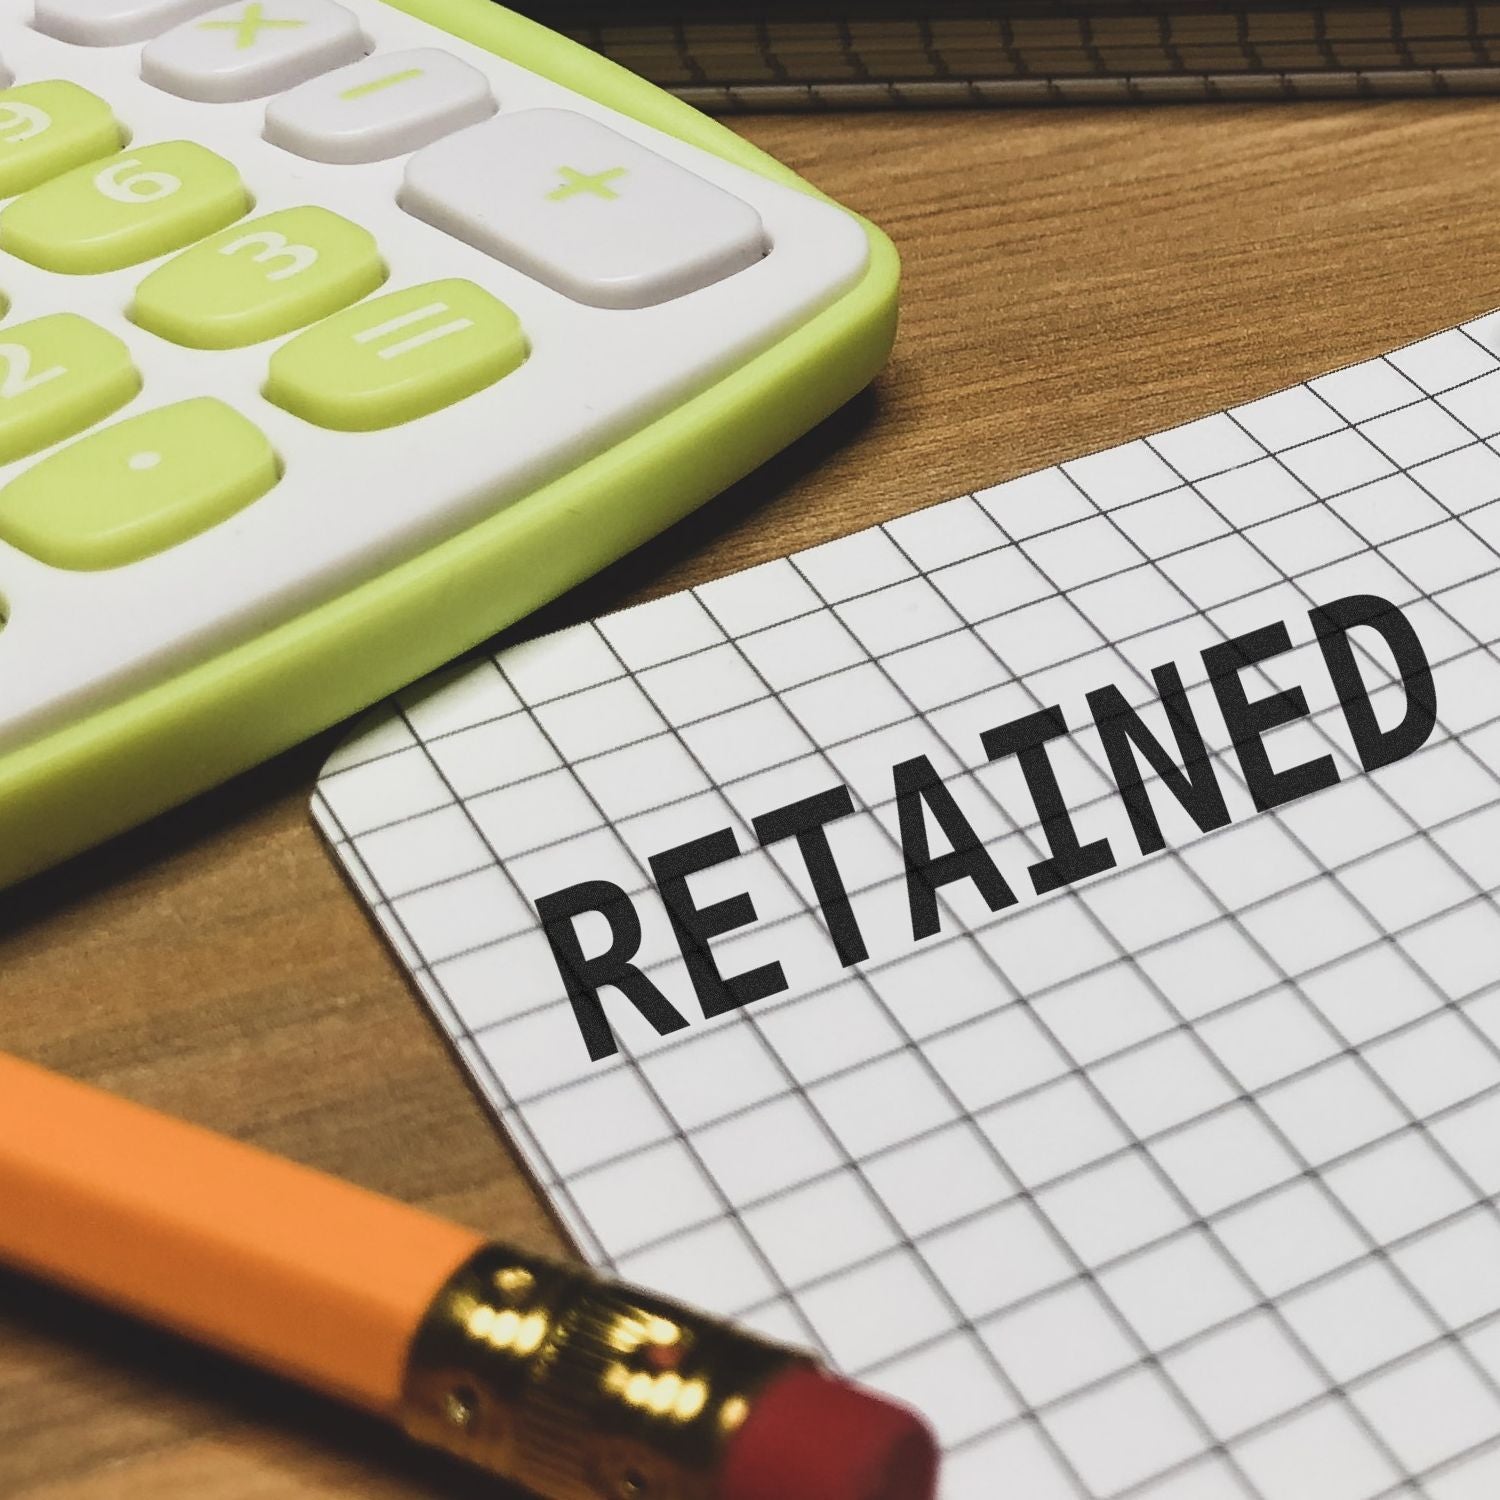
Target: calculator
x,y
339,335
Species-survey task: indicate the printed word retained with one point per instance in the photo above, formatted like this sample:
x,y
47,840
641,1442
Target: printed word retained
x,y
1185,772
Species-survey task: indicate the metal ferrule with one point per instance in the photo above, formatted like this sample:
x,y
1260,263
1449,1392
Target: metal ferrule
x,y
577,1388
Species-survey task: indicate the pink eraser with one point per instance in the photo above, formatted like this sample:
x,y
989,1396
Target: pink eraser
x,y
812,1436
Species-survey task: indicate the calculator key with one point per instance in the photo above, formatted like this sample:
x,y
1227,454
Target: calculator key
x,y
123,210
58,375
45,128
106,23
139,487
259,279
386,104
582,209
398,357
252,48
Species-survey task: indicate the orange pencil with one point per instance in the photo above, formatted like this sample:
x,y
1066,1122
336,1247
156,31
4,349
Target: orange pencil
x,y
539,1372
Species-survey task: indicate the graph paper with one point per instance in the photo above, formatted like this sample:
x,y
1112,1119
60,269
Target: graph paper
x,y
1179,1182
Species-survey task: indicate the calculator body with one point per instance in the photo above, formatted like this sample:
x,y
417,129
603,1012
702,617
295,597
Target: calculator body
x,y
151,681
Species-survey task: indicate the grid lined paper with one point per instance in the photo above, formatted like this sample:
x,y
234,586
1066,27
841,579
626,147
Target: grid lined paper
x,y
1179,1183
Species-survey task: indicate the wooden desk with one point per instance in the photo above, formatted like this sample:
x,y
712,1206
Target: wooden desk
x,y
1074,279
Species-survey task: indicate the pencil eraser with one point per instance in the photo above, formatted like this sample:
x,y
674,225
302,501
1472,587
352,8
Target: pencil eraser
x,y
812,1436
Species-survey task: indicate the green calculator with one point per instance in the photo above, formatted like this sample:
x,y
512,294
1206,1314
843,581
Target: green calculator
x,y
340,334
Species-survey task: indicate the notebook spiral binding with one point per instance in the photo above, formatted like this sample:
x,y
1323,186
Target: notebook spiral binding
x,y
727,58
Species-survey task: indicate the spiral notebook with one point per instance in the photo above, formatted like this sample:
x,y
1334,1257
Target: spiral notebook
x,y
1164,1161
792,54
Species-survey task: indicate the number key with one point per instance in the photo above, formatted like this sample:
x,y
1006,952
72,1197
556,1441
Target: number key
x,y
258,280
129,208
45,128
58,375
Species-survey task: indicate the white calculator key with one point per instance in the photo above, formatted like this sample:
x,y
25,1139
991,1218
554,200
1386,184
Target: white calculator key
x,y
252,48
107,23
582,209
379,107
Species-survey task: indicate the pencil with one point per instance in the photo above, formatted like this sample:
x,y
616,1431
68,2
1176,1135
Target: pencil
x,y
577,1388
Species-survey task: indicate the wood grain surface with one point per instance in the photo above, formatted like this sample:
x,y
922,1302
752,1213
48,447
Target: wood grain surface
x,y
1074,279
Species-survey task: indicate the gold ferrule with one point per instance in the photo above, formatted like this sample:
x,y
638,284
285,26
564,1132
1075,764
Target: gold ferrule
x,y
580,1389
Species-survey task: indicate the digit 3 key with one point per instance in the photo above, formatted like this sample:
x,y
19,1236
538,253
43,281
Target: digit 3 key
x,y
339,336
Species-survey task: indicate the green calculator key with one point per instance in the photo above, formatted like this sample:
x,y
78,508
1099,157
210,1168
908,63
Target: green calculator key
x,y
134,489
398,357
128,208
58,375
259,280
45,128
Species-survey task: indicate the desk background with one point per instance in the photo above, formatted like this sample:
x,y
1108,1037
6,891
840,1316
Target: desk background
x,y
1075,278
